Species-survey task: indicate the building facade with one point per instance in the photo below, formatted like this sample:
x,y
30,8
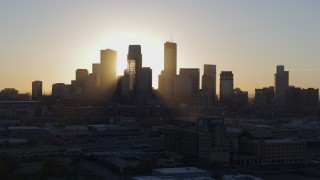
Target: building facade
x,y
209,81
281,84
108,66
226,87
36,90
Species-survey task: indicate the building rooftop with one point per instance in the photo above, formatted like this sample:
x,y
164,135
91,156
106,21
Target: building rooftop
x,y
179,170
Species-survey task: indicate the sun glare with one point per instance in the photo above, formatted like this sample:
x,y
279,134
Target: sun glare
x,y
151,49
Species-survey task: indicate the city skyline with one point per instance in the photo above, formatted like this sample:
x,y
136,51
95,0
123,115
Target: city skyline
x,y
286,35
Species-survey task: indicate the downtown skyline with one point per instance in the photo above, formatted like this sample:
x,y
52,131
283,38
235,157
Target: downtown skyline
x,y
50,49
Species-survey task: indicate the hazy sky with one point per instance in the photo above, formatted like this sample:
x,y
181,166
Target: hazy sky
x,y
48,40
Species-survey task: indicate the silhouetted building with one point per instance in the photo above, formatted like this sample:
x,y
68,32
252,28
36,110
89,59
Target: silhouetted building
x,y
81,78
182,89
167,77
36,90
96,70
194,75
240,98
310,97
294,102
90,86
58,90
76,89
263,97
146,79
281,85
226,87
134,67
9,94
209,82
108,72
125,85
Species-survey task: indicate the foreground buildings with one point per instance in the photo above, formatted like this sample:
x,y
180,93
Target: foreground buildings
x,y
214,145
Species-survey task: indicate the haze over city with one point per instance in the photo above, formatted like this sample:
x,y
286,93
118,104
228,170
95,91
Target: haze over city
x,y
48,41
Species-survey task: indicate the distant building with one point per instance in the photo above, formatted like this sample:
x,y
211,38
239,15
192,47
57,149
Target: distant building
x,y
182,89
81,78
58,90
194,75
281,80
209,82
294,100
240,98
124,86
108,72
36,90
90,86
226,87
310,97
134,67
263,97
146,79
9,93
167,77
96,70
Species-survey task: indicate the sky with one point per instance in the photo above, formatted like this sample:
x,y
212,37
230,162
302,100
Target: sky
x,y
48,40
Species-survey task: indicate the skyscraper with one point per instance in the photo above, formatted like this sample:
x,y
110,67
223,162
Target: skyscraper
x,y
134,66
170,58
226,87
81,78
146,79
36,90
209,80
281,81
167,77
194,75
96,70
108,67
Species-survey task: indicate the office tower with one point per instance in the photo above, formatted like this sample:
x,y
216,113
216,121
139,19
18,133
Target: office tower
x,y
213,145
146,80
36,90
90,85
209,81
281,82
81,78
96,70
263,97
134,66
108,73
182,89
226,87
167,77
81,75
311,97
125,84
294,100
170,58
240,98
58,90
194,75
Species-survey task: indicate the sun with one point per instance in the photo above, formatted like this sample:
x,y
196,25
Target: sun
x,y
151,49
